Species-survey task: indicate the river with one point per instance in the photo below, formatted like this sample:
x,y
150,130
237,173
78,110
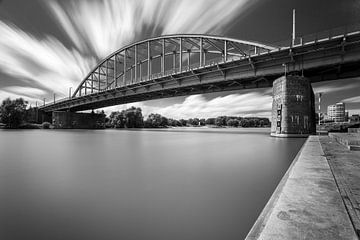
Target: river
x,y
147,184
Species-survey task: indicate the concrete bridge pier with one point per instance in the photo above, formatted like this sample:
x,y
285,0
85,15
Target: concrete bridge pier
x,y
293,107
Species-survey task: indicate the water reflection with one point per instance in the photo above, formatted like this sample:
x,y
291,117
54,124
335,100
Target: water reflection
x,y
118,184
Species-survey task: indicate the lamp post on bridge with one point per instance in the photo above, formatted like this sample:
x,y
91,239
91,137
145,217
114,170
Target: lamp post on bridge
x,y
44,101
70,92
320,94
293,29
54,98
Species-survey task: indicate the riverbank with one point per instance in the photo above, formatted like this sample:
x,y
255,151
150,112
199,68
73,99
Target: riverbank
x,y
309,201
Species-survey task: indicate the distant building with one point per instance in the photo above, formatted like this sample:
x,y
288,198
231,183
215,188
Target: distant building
x,y
346,116
336,112
355,118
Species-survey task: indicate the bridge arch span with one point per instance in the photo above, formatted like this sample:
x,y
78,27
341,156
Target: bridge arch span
x,y
153,58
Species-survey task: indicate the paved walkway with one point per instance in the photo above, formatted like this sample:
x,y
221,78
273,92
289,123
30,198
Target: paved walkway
x,y
345,166
307,203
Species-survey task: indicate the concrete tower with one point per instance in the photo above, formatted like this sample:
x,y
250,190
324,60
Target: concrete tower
x,y
293,108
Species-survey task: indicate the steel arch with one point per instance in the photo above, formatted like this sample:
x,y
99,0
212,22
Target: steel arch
x,y
153,58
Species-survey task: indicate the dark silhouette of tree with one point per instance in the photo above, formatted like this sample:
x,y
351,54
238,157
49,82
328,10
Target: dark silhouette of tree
x,y
183,122
232,122
155,120
12,112
210,121
129,118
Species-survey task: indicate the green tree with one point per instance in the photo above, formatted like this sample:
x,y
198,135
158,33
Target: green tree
x,y
12,112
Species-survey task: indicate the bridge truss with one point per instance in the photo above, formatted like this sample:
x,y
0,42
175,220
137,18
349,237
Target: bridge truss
x,y
151,59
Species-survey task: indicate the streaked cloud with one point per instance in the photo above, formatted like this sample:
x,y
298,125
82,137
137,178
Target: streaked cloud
x,y
44,63
6,94
26,91
336,86
249,104
104,26
352,100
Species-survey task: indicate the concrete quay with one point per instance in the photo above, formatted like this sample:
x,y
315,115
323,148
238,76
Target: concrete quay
x,y
345,166
307,203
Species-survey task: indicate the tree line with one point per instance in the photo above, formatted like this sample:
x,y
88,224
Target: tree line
x,y
14,114
133,118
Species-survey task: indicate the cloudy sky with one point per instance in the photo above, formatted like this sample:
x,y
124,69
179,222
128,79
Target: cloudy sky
x,y
48,46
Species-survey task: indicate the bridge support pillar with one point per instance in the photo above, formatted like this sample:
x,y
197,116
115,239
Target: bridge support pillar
x,y
73,120
293,107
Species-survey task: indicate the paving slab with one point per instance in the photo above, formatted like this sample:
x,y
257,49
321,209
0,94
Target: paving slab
x,y
307,203
345,166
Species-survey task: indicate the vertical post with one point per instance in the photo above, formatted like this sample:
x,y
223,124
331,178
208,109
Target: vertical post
x,y
69,92
285,69
163,57
225,51
99,78
124,74
131,75
107,76
149,60
293,29
320,94
54,98
140,71
201,52
44,102
115,78
174,61
136,62
180,55
85,87
92,83
189,51
204,60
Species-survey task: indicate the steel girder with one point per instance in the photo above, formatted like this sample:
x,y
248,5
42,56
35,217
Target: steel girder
x,y
149,59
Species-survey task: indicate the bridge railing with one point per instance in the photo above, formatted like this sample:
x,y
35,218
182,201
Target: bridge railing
x,y
49,103
319,36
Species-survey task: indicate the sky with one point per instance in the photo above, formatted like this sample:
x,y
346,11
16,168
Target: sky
x,y
48,46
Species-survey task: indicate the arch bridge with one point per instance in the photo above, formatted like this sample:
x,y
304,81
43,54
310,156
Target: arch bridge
x,y
178,65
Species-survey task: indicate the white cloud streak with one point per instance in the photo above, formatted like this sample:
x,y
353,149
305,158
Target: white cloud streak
x,y
27,91
334,87
98,28
249,104
104,26
42,62
352,100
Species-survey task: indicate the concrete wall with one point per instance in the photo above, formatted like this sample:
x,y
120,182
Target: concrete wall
x,y
78,120
293,108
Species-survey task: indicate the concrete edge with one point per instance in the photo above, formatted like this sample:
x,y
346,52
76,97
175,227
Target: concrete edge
x,y
289,135
260,222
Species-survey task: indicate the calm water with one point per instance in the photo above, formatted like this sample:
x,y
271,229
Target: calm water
x,y
118,184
